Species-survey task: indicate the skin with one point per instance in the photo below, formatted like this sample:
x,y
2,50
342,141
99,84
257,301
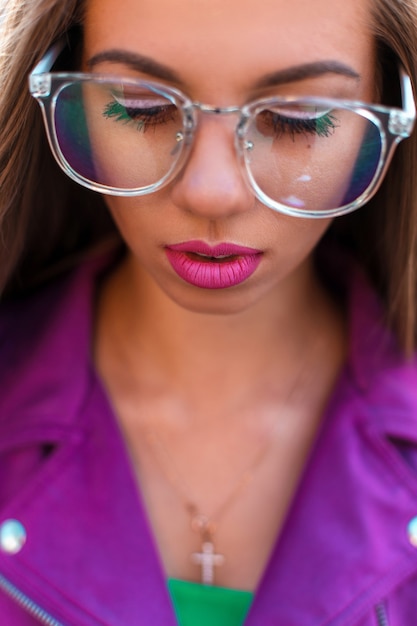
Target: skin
x,y
231,379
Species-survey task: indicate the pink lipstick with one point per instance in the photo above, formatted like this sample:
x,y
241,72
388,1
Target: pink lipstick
x,y
213,267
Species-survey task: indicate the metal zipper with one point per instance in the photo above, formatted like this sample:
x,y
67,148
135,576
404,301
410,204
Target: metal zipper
x,y
381,615
26,603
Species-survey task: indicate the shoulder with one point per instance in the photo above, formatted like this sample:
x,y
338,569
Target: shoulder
x,y
376,362
374,357
377,393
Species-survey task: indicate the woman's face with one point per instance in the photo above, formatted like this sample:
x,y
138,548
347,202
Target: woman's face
x,y
183,238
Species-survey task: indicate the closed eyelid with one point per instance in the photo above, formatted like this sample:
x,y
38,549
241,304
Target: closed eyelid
x,y
140,102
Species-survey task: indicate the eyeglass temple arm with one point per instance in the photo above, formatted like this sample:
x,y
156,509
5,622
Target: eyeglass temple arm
x,y
407,93
47,61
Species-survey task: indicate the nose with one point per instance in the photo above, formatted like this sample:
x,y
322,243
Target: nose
x,y
211,184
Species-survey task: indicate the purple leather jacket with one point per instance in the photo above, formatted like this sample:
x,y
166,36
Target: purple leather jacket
x,y
83,554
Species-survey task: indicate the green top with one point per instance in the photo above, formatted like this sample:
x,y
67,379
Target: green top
x,y
204,605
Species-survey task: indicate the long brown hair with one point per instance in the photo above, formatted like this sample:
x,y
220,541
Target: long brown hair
x,y
47,221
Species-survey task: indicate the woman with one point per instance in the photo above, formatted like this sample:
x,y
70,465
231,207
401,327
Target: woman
x,y
208,408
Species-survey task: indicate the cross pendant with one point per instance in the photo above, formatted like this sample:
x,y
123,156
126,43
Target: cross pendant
x,y
207,559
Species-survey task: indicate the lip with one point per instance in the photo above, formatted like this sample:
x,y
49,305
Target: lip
x,y
213,267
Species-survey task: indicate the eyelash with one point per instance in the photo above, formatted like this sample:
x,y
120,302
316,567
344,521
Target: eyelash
x,y
142,118
322,126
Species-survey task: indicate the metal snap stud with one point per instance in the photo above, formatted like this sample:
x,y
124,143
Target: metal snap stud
x,y
412,531
12,536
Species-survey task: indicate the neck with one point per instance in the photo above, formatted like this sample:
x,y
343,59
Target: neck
x,y
143,332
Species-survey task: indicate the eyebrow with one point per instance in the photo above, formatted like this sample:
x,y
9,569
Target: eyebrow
x,y
136,62
307,70
292,74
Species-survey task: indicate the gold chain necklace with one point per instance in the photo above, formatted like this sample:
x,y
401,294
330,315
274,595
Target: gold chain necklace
x,y
204,525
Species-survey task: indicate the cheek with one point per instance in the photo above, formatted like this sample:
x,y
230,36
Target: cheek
x,y
136,222
294,241
311,232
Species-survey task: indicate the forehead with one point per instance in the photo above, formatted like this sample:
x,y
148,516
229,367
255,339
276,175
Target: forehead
x,y
224,38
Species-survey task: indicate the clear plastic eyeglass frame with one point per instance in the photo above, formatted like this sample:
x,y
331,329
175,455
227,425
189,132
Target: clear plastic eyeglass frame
x,y
394,124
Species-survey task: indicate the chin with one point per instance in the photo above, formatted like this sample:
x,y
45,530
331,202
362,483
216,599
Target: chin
x,y
224,302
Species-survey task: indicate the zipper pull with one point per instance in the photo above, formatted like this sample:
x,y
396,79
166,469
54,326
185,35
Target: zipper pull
x,y
381,615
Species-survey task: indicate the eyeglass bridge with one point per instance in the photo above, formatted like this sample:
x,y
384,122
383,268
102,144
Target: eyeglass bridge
x,y
214,110
209,109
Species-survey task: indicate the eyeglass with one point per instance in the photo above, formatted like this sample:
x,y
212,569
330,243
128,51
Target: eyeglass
x,y
301,156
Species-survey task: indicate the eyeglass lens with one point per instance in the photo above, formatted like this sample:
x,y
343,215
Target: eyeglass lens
x,y
303,156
